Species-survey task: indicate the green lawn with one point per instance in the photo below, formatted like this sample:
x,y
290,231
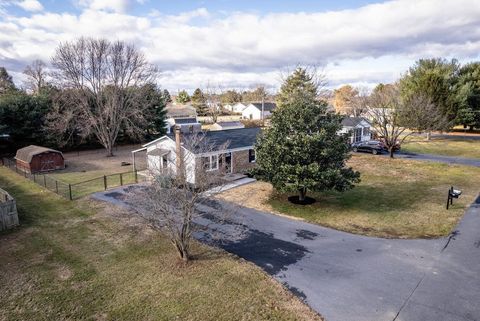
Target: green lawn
x,y
396,198
468,148
83,261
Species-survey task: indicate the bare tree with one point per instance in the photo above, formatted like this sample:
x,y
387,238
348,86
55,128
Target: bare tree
x,y
385,111
36,76
214,104
179,189
421,115
104,81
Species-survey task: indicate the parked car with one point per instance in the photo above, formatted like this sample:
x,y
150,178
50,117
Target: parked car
x,y
372,146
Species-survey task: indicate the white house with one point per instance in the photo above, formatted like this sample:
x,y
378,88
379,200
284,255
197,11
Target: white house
x,y
236,108
254,110
232,152
359,127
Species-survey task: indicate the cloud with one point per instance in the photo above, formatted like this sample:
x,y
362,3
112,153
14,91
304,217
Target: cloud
x,y
369,44
30,5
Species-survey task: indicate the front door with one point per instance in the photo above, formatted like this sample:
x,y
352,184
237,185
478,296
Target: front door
x,y
228,162
357,135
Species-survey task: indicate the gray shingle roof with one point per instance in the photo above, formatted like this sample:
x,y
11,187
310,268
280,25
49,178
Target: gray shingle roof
x,y
26,153
185,120
266,106
235,138
226,124
353,121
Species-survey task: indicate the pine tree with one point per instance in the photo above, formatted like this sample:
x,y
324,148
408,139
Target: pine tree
x,y
468,95
6,82
183,97
299,83
302,151
166,96
199,102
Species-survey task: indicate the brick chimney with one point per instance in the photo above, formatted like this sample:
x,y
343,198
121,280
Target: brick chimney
x,y
178,148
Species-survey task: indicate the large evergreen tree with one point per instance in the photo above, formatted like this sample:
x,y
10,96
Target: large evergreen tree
x,y
300,83
23,117
302,151
166,96
434,79
6,82
199,101
154,99
468,95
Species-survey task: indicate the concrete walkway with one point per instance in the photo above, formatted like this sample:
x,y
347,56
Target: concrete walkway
x,y
348,277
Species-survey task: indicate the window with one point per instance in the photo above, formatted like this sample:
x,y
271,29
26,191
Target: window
x,y
164,162
210,163
251,156
366,131
357,135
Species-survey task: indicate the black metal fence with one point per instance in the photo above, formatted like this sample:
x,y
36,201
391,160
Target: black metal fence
x,y
76,190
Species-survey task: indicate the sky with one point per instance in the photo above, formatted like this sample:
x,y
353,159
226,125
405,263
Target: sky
x,y
243,43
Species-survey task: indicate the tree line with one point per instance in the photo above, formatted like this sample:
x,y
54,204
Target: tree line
x,y
99,93
451,92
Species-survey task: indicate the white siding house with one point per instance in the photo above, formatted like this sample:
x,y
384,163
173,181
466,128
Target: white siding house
x,y
161,155
359,127
236,108
254,111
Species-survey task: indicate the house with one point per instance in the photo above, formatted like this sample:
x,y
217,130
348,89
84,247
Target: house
x,y
35,159
184,116
187,125
359,127
254,110
236,108
224,125
231,151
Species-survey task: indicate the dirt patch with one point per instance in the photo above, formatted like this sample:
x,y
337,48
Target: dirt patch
x,y
254,195
64,273
96,160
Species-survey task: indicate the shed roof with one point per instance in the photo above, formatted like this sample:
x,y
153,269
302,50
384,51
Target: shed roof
x,y
183,121
26,153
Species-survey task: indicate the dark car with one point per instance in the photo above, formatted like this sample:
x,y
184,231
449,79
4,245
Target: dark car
x,y
372,146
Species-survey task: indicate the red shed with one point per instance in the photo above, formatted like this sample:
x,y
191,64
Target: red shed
x,y
34,159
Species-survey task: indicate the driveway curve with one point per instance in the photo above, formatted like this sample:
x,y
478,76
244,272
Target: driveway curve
x,y
348,277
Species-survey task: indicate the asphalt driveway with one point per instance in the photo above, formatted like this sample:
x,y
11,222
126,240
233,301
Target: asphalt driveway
x,y
348,277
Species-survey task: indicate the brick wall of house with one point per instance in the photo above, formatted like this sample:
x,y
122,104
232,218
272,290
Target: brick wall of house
x,y
240,161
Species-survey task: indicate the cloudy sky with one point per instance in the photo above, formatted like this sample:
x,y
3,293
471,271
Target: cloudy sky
x,y
239,43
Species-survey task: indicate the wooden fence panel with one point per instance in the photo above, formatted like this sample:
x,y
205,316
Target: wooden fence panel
x,y
8,211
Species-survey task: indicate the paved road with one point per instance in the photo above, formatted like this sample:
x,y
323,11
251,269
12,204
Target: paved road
x,y
439,158
348,277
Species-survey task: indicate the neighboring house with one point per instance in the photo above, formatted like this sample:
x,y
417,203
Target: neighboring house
x,y
254,110
187,125
232,152
35,159
224,125
236,108
184,116
359,127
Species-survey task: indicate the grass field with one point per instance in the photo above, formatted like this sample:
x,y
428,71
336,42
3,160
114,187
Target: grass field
x,y
467,148
396,198
85,261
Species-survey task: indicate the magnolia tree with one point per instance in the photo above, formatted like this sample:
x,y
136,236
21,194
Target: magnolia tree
x,y
173,203
302,151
